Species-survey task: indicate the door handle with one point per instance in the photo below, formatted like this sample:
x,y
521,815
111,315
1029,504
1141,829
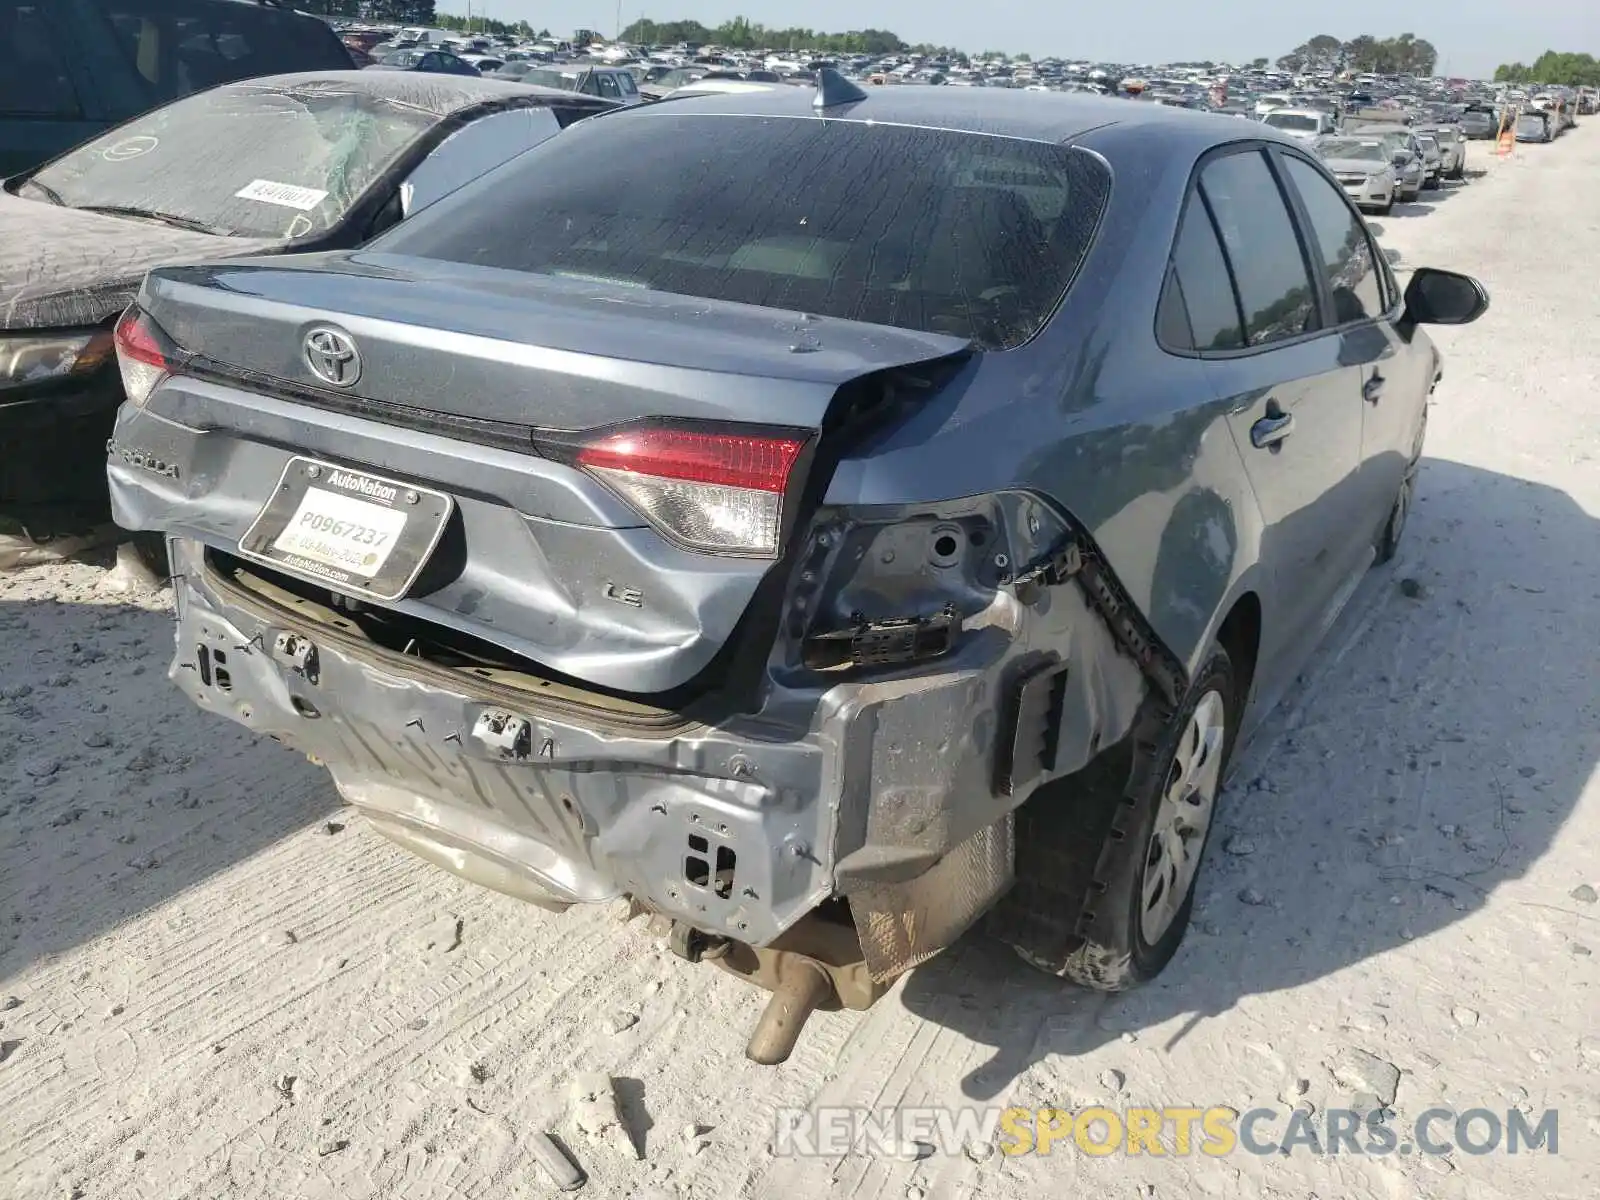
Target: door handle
x,y
1271,429
1372,389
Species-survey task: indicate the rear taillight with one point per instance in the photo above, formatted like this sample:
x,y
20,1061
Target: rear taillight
x,y
713,491
144,354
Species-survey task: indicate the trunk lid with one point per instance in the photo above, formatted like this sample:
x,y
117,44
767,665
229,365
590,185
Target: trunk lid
x,y
462,371
538,352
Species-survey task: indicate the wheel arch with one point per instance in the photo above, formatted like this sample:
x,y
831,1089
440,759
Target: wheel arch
x,y
1240,635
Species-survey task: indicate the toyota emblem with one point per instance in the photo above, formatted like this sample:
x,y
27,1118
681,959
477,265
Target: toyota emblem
x,y
332,356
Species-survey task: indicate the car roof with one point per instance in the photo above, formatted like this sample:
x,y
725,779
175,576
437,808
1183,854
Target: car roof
x,y
1001,112
441,95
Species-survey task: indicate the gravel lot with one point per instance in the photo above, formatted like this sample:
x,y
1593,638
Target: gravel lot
x,y
214,982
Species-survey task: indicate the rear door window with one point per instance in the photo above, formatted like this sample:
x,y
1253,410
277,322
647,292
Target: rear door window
x,y
1341,248
926,229
1258,236
35,81
1199,280
607,85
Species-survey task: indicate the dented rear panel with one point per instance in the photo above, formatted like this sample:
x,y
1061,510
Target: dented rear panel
x,y
478,400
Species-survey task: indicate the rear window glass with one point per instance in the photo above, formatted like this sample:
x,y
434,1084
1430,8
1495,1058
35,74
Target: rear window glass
x,y
1293,121
35,82
182,46
567,81
923,229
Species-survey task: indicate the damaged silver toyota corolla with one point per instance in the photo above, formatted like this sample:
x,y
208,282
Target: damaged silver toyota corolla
x,y
822,520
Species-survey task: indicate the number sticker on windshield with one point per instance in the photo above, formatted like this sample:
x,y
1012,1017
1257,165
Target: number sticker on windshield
x,y
285,194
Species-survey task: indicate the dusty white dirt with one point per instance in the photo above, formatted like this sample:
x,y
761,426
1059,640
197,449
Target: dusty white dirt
x,y
225,986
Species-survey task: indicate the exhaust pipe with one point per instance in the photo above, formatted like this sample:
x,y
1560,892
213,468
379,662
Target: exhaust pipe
x,y
804,988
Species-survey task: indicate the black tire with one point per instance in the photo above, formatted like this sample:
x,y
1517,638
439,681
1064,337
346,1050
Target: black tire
x,y
1387,206
1084,848
1394,526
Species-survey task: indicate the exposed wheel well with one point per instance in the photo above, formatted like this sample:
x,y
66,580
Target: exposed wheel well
x,y
1240,636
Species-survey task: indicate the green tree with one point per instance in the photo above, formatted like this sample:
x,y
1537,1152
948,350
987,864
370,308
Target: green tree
x,y
1557,69
400,12
1406,54
741,33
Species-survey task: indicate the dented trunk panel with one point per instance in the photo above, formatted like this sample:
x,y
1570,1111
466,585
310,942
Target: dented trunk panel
x,y
534,351
539,558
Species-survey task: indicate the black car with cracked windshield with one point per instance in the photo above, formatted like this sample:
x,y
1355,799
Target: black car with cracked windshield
x,y
286,163
883,522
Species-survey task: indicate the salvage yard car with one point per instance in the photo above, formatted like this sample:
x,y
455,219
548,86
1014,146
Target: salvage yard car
x,y
1432,159
1300,122
1535,125
1452,143
1363,168
879,521
289,162
1404,153
1479,123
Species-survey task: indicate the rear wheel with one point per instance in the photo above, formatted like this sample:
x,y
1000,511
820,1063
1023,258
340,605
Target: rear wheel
x,y
1121,868
1394,528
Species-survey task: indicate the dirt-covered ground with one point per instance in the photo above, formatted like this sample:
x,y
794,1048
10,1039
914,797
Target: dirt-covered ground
x,y
215,983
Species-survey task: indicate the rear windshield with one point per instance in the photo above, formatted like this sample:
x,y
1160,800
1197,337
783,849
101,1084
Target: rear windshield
x,y
957,233
567,81
1293,121
1350,148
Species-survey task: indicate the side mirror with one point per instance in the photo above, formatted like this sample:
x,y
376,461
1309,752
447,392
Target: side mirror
x,y
1435,297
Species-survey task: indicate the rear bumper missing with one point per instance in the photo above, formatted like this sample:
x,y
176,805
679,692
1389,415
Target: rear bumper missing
x,y
543,807
740,830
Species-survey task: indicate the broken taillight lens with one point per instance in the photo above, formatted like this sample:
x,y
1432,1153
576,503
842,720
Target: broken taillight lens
x,y
721,492
145,355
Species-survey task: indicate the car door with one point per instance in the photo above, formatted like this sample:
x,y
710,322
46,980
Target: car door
x,y
1295,402
1393,374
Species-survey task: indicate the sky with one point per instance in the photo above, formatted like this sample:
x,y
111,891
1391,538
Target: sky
x,y
1472,36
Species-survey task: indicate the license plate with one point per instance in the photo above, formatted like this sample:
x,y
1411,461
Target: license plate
x,y
360,533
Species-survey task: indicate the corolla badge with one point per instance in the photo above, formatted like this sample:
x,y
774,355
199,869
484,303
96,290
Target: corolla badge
x,y
332,356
